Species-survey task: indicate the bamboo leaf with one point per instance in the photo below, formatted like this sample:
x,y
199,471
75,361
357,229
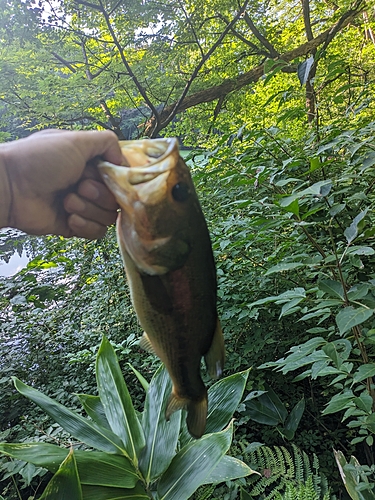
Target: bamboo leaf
x,y
190,467
161,436
94,409
65,483
117,402
293,419
94,467
140,377
104,493
81,428
228,469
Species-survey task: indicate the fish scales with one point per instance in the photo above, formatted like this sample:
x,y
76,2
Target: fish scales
x,y
167,254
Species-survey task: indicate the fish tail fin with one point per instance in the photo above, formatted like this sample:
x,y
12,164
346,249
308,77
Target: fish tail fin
x,y
196,412
215,356
196,417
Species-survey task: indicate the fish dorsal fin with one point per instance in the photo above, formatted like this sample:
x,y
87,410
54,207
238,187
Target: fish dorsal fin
x,y
145,344
215,356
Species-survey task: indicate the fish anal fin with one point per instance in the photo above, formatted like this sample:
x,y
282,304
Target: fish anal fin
x,y
145,344
175,403
215,355
196,413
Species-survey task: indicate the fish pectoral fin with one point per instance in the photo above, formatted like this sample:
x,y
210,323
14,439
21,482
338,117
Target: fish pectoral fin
x,y
145,344
196,413
215,356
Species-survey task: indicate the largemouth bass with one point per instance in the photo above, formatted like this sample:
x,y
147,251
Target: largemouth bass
x,y
167,254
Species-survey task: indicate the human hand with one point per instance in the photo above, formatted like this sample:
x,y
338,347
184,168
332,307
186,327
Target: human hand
x,y
54,186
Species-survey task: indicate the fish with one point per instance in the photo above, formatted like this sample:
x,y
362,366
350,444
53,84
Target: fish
x,y
168,259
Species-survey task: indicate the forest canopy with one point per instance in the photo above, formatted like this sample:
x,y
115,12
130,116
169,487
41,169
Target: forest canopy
x,y
273,105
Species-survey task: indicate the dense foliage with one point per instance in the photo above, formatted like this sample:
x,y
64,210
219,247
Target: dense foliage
x,y
276,100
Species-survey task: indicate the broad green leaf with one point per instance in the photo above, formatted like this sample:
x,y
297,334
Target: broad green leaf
x,y
140,377
351,478
357,250
117,402
284,266
245,495
351,232
338,350
314,164
293,419
81,428
363,372
358,291
350,316
319,189
65,483
190,467
94,409
224,396
370,423
339,402
286,309
364,402
161,436
336,209
333,288
261,413
227,469
104,493
96,468
293,207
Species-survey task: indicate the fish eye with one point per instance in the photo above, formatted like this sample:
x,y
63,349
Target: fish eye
x,y
180,191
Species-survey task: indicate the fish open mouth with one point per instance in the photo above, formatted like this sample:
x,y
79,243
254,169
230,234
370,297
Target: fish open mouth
x,y
145,169
147,158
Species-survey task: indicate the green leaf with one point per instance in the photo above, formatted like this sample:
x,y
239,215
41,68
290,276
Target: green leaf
x,y
161,436
351,478
351,232
104,493
190,467
261,413
333,288
228,469
360,250
81,428
370,423
65,483
224,396
94,467
363,372
286,309
140,377
350,316
339,402
284,266
94,409
293,420
117,402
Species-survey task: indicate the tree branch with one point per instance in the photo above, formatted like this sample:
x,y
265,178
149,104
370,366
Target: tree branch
x,y
251,76
64,62
263,40
170,111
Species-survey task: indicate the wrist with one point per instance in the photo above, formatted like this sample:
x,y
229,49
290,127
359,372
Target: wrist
x,y
5,193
